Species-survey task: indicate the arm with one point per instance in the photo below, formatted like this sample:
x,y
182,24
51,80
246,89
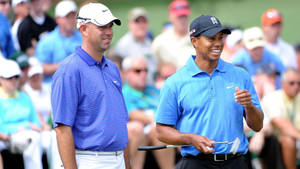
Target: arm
x,y
49,69
126,158
66,146
169,135
4,137
254,116
286,127
139,115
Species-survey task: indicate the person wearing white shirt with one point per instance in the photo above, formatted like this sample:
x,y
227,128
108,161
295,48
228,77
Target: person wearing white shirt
x,y
271,21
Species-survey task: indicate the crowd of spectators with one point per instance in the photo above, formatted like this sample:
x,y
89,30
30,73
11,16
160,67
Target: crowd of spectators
x,y
33,47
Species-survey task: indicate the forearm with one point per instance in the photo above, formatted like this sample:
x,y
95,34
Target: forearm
x,y
50,69
66,146
126,158
140,116
254,117
169,135
286,127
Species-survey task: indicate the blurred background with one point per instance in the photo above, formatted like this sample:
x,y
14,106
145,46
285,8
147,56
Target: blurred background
x,y
240,13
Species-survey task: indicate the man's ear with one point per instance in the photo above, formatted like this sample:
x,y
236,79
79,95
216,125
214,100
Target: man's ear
x,y
83,29
193,41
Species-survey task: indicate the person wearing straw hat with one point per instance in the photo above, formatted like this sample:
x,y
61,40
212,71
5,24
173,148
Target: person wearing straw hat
x,y
89,112
205,102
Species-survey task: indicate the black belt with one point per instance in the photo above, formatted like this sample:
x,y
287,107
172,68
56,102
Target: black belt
x,y
215,157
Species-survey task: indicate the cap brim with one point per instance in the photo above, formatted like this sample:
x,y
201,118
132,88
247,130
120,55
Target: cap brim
x,y
114,20
254,44
117,21
212,32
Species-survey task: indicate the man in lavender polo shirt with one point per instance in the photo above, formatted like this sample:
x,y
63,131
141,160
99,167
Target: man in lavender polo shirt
x,y
89,112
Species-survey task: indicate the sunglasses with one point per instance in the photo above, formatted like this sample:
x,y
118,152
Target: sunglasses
x,y
141,19
138,71
292,83
13,77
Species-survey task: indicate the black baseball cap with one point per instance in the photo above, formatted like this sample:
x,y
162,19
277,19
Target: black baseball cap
x,y
207,25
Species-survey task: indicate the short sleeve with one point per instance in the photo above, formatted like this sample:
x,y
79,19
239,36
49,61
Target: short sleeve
x,y
168,108
64,99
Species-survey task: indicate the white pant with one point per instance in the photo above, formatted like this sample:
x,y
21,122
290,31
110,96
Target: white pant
x,y
49,145
32,155
98,160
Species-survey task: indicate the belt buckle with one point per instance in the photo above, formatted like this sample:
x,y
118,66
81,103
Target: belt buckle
x,y
217,160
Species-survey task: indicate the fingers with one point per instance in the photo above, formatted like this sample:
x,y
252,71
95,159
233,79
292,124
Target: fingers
x,y
204,144
242,96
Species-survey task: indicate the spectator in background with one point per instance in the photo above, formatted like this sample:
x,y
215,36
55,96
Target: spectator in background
x,y
21,10
40,96
61,42
136,42
265,79
255,54
36,25
297,49
233,43
3,138
173,45
18,116
283,109
22,59
164,71
141,102
271,22
6,42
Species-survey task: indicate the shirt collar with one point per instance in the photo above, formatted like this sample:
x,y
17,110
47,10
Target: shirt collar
x,y
6,96
193,68
88,59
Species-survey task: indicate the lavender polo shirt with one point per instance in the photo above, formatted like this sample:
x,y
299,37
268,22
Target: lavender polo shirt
x,y
87,95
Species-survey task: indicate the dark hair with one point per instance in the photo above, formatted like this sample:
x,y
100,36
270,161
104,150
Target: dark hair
x,y
297,47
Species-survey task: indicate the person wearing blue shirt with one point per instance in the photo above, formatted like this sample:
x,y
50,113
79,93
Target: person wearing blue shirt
x,y
141,100
205,102
89,111
61,42
18,118
6,43
255,55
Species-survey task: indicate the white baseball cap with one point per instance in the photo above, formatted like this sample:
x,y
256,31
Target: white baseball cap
x,y
37,69
14,3
97,14
63,8
253,38
233,38
9,68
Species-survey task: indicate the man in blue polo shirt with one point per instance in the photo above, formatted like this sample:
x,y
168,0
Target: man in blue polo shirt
x,y
89,112
61,42
206,101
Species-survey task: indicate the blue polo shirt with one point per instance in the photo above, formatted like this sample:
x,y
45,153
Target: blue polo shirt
x,y
55,47
87,95
195,102
243,58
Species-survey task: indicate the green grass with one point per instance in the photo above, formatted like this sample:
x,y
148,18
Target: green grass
x,y
242,13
